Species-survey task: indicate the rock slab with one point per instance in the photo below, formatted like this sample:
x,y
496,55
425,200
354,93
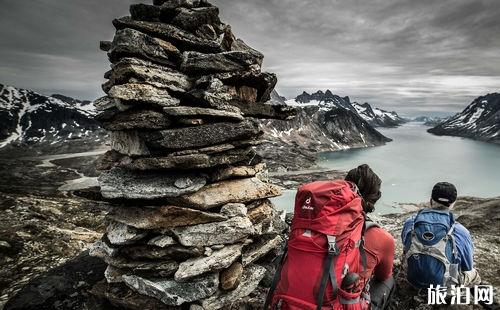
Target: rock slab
x,y
174,293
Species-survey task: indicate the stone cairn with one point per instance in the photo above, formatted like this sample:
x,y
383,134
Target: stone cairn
x,y
189,224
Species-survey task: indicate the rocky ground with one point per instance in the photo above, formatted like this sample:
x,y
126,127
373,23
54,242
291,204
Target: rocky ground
x,y
47,228
38,233
41,227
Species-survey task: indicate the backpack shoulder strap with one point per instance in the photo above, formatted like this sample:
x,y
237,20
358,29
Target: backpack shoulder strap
x,y
328,272
368,223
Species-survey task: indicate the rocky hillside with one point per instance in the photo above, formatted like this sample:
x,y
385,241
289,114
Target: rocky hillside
x,y
324,122
28,118
480,121
378,117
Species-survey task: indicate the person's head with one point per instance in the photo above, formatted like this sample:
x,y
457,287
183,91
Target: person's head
x,y
445,194
368,184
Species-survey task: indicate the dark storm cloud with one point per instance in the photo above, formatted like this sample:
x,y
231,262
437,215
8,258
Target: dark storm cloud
x,y
52,45
401,54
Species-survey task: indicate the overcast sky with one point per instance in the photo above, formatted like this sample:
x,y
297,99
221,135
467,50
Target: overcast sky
x,y
416,57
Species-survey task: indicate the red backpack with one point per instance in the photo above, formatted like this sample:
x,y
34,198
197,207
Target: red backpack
x,y
324,255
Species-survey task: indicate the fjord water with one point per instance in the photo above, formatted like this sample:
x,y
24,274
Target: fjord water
x,y
415,160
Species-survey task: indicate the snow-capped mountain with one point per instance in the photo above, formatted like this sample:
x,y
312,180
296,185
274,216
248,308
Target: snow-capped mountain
x,y
322,99
480,121
29,118
324,122
378,117
374,116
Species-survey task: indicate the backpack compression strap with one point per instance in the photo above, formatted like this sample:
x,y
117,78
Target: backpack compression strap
x,y
328,271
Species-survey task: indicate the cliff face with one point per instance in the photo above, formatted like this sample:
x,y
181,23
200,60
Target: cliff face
x,y
479,121
324,122
378,117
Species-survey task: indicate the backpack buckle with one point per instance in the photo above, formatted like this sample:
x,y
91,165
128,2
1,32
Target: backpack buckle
x,y
333,248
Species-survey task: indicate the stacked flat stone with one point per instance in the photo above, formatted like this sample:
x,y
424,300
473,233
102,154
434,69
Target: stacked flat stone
x,y
190,223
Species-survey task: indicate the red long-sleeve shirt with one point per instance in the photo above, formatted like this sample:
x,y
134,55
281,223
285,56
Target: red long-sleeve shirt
x,y
379,247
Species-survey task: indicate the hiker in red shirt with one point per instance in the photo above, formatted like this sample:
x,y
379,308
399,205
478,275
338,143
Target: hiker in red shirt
x,y
335,256
379,244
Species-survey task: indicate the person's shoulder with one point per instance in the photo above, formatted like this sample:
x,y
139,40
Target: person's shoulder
x,y
461,229
379,241
410,219
379,234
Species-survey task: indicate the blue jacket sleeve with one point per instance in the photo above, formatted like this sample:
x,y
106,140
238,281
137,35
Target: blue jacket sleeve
x,y
406,230
465,248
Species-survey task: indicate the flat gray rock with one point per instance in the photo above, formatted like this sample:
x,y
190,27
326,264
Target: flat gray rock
x,y
145,72
120,234
230,191
194,62
189,161
162,241
129,42
193,18
231,277
181,38
136,119
233,209
201,112
257,250
104,103
128,143
260,211
274,224
173,252
113,274
120,183
226,232
144,93
158,268
101,249
200,136
218,260
173,4
174,293
162,217
249,282
263,82
233,172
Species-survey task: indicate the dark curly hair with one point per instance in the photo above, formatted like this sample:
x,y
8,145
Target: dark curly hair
x,y
368,184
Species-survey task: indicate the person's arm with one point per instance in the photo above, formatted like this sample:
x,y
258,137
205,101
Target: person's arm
x,y
383,270
406,230
465,247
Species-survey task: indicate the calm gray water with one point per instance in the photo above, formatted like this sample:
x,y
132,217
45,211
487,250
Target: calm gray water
x,y
411,164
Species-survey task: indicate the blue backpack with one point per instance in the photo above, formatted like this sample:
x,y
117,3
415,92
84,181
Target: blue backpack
x,y
430,250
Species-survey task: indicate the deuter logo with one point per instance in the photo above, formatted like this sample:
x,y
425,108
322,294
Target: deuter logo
x,y
307,204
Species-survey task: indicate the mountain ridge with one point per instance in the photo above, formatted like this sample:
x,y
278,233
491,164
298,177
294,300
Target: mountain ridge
x,y
374,116
29,118
480,120
321,125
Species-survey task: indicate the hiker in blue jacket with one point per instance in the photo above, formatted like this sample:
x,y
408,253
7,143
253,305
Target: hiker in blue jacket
x,y
437,249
